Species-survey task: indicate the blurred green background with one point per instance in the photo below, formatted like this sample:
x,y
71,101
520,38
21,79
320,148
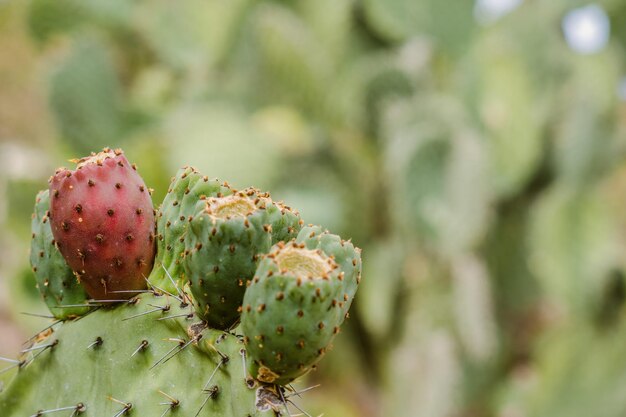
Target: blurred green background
x,y
475,150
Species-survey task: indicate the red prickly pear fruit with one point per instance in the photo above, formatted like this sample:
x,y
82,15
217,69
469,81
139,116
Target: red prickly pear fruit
x,y
102,220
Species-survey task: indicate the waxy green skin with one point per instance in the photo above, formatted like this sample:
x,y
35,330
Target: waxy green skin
x,y
187,253
55,280
277,337
289,323
185,196
72,373
286,223
221,256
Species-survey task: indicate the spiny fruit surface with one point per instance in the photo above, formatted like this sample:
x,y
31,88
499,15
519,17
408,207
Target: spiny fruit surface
x,y
295,304
55,280
103,223
286,223
226,237
344,253
187,190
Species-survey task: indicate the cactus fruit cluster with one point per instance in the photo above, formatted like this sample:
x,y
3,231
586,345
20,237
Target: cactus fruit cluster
x,y
209,305
227,237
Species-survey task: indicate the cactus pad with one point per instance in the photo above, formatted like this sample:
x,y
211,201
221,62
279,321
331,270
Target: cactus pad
x,y
88,363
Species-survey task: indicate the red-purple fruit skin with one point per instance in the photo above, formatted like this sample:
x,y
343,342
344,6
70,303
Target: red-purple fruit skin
x,y
102,220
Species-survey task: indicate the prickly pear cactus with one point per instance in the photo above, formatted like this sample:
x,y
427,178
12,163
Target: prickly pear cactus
x,y
168,343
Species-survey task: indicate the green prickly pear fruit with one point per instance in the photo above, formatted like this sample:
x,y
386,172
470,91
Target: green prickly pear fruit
x,y
55,279
296,304
187,190
226,237
185,196
124,357
103,223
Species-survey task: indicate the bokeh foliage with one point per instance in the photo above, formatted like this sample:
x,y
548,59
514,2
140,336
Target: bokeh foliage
x,y
479,166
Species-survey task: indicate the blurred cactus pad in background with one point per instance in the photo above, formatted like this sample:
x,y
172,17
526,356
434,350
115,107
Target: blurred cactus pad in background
x,y
475,151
